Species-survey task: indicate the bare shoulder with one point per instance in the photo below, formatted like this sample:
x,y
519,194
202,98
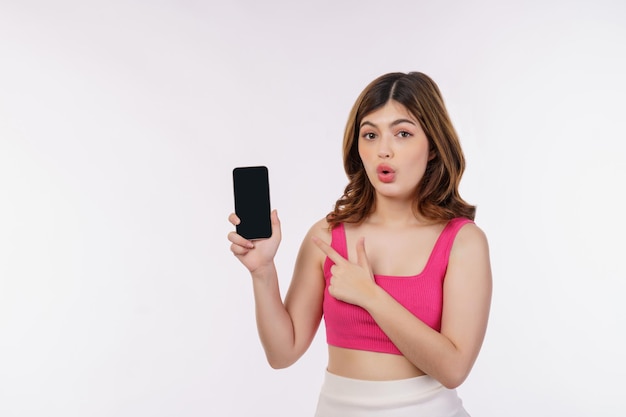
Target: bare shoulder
x,y
469,257
470,239
470,254
321,230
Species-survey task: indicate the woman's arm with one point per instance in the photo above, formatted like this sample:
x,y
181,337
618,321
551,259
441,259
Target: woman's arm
x,y
449,355
285,329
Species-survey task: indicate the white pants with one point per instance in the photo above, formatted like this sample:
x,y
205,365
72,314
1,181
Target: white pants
x,y
413,397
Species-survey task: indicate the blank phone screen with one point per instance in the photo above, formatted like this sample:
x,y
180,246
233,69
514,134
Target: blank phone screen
x,y
252,202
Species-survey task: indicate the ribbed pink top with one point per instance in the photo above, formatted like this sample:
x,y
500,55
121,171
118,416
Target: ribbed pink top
x,y
352,327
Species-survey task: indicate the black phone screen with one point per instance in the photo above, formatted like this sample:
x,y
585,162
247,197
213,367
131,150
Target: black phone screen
x,y
252,202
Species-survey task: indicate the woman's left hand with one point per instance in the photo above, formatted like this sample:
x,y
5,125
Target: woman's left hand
x,y
350,282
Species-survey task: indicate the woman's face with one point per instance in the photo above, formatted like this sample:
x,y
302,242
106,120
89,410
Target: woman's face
x,y
394,150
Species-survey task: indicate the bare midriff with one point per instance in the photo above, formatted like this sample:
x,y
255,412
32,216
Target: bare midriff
x,y
373,366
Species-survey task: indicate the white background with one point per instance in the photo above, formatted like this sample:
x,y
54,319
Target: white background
x,y
120,123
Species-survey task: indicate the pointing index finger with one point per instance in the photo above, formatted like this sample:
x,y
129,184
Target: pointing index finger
x,y
328,250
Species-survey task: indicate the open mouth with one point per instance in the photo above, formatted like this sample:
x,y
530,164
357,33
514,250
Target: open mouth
x,y
384,169
385,173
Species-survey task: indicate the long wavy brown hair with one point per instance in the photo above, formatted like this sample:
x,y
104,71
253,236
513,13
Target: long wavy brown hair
x,y
437,196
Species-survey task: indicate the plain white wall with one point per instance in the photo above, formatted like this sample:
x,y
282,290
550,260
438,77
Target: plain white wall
x,y
120,123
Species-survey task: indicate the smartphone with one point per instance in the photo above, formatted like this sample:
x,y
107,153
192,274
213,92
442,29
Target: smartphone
x,y
252,202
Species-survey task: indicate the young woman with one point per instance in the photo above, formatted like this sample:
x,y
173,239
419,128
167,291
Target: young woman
x,y
398,269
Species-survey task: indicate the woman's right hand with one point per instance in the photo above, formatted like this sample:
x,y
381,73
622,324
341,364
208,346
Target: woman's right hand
x,y
255,254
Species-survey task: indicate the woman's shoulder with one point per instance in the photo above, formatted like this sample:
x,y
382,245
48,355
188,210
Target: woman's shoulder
x,y
309,250
470,238
320,229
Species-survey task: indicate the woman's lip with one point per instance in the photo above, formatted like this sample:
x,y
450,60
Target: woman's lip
x,y
384,168
386,177
385,173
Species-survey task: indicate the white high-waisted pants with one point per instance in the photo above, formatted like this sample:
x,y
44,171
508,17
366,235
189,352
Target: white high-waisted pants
x,y
413,397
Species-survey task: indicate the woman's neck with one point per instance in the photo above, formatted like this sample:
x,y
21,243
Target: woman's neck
x,y
395,213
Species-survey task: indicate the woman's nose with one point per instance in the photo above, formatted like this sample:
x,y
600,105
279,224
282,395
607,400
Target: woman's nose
x,y
384,148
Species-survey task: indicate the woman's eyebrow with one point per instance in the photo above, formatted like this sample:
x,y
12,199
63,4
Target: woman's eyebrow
x,y
394,123
400,121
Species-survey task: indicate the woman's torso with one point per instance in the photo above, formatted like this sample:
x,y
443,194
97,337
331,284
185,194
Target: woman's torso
x,y
400,252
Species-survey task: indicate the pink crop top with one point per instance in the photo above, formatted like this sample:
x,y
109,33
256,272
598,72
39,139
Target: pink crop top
x,y
352,327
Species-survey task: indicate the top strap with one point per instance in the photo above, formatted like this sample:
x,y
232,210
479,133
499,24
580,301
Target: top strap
x,y
338,241
443,247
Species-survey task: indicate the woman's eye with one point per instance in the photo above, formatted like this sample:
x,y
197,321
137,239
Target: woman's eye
x,y
369,136
404,134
